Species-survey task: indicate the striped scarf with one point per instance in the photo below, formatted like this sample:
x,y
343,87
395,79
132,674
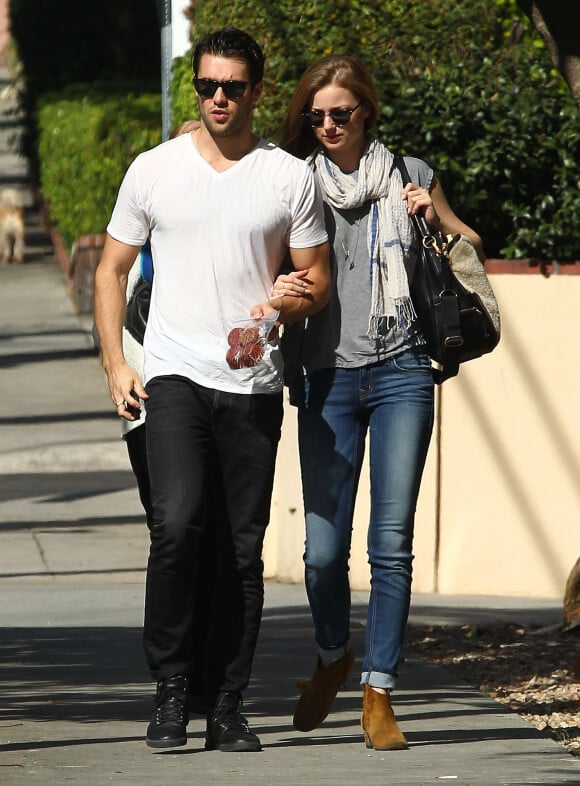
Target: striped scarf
x,y
390,234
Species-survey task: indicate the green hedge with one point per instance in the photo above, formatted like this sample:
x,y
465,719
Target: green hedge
x,y
87,138
493,118
59,43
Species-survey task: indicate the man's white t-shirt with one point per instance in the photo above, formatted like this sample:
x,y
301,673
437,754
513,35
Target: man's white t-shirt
x,y
218,240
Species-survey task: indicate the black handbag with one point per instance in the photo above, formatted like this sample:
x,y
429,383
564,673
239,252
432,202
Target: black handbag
x,y
137,311
453,298
291,345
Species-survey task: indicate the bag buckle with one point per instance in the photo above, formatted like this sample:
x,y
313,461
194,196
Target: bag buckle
x,y
453,342
441,246
430,242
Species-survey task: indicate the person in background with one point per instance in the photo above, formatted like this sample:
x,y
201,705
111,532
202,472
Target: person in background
x,y
366,372
134,431
222,208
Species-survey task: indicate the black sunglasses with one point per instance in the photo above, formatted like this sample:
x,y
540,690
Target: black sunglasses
x,y
233,89
340,117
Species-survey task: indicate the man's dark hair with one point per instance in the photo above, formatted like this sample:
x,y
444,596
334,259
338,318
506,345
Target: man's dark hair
x,y
234,43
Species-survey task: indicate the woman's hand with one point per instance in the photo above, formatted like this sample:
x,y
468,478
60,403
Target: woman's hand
x,y
291,285
419,200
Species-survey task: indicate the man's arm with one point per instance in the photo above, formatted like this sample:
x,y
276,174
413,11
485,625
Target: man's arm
x,y
110,306
313,267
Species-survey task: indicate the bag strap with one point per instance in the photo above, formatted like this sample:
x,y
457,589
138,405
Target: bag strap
x,y
452,339
418,219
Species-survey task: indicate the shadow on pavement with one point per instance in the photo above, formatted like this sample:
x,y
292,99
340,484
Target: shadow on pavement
x,y
58,487
98,674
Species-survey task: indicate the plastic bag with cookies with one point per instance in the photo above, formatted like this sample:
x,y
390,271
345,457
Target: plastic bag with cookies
x,y
247,342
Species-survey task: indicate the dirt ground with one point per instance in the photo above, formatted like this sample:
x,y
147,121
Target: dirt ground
x,y
534,671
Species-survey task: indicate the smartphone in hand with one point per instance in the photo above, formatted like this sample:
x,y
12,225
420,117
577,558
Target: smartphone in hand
x,y
135,411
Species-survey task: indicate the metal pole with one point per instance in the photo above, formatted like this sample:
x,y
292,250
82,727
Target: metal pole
x,y
166,60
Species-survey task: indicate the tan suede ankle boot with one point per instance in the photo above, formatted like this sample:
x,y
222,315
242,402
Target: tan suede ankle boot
x,y
378,722
319,692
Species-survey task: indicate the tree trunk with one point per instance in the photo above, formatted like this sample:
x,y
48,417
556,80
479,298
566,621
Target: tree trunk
x,y
555,21
572,596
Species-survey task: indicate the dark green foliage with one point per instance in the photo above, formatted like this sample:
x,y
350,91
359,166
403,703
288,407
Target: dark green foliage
x,y
504,138
61,42
101,60
88,136
493,118
66,42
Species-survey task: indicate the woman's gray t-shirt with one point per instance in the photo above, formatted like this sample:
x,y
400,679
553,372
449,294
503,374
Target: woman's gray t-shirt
x,y
337,337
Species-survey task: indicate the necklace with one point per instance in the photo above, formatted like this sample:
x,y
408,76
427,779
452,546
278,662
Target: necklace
x,y
346,249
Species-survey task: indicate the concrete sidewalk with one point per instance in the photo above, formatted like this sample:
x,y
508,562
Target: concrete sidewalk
x,y
75,692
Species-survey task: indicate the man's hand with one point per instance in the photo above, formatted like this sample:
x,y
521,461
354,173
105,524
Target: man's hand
x,y
126,388
265,311
125,384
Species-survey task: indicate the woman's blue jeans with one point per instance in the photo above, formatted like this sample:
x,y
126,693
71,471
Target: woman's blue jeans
x,y
393,402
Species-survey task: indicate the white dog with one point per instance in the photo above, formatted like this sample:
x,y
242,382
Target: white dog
x,y
11,227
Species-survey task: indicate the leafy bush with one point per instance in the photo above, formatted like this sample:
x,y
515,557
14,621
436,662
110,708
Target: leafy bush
x,y
505,140
75,41
493,118
68,42
87,138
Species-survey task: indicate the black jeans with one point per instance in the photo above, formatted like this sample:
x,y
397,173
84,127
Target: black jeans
x,y
136,440
199,439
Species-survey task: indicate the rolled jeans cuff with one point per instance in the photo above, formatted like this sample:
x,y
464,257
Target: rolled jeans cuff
x,y
332,656
378,679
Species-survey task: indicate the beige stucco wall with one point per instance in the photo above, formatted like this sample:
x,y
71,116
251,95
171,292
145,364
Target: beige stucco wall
x,y
4,32
499,510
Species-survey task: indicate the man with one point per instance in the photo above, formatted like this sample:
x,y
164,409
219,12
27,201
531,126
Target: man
x,y
223,208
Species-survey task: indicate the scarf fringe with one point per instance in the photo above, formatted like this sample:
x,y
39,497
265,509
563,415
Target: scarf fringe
x,y
404,315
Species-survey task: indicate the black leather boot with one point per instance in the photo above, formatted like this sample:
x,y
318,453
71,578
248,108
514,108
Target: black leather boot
x,y
169,722
227,729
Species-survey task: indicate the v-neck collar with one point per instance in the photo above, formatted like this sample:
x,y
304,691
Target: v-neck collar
x,y
234,164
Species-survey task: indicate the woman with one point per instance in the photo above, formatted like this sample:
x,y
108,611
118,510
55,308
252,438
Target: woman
x,y
366,371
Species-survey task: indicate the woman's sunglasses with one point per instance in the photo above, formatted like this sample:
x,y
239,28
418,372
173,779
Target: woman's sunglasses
x,y
207,88
340,117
